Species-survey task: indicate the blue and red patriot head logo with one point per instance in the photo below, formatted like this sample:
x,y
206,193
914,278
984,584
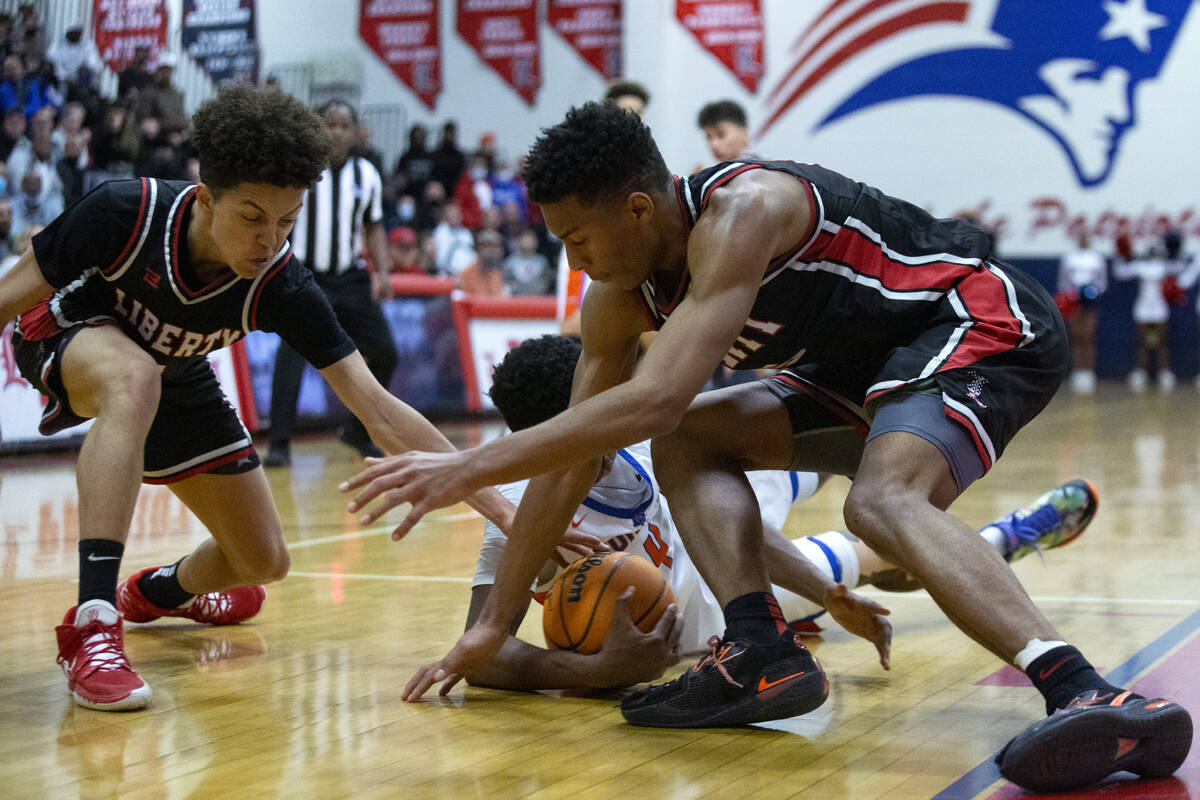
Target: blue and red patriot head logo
x,y
1072,67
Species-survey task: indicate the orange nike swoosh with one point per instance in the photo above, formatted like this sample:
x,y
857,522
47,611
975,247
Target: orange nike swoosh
x,y
575,523
764,684
1047,672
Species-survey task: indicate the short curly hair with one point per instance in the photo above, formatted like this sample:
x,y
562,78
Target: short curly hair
x,y
598,153
252,134
533,381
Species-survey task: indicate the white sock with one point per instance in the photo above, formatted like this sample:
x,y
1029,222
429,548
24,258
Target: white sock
x,y
996,538
96,609
1035,648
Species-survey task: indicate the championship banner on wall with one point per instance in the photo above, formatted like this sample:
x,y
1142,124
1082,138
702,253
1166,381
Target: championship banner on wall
x,y
593,29
404,34
122,25
220,36
505,35
732,30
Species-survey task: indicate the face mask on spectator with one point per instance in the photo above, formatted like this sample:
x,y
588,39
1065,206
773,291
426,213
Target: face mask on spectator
x,y
478,173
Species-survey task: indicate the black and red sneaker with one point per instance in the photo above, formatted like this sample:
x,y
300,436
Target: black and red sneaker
x,y
1095,735
735,684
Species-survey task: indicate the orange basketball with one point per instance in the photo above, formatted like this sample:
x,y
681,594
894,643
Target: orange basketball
x,y
579,606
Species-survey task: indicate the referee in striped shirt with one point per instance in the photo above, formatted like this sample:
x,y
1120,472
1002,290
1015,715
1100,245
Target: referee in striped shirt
x,y
341,212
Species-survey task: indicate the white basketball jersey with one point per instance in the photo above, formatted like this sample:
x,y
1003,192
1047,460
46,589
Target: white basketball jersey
x,y
626,510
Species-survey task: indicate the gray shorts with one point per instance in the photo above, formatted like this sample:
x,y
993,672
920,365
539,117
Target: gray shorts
x,y
829,432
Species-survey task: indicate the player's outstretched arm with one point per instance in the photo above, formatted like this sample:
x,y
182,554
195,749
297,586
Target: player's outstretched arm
x,y
398,428
858,615
22,287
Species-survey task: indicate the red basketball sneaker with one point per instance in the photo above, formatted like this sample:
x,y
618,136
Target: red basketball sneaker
x,y
215,608
91,651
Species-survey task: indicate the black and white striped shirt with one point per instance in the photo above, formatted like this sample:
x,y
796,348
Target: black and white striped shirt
x,y
328,236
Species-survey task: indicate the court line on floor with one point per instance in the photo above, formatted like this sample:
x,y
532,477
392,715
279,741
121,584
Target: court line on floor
x,y
1152,601
370,577
377,531
985,774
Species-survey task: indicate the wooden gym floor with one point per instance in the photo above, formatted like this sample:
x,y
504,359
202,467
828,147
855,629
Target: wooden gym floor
x,y
304,702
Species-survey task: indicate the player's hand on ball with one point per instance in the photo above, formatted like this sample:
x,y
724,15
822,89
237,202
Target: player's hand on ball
x,y
474,648
581,544
862,617
631,656
427,480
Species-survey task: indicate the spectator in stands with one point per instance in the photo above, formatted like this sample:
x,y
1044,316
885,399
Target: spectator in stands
x,y
73,51
629,95
6,228
162,101
28,35
448,161
116,142
486,275
506,189
71,121
414,168
427,253
158,156
454,243
511,225
724,125
1150,313
487,150
527,272
430,208
473,192
19,91
39,201
1082,278
83,91
136,76
402,247
37,147
12,132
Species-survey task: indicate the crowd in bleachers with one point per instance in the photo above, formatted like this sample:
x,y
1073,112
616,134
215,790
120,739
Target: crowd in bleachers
x,y
466,214
450,211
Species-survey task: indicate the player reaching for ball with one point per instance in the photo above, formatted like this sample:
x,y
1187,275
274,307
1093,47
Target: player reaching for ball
x,y
118,302
625,511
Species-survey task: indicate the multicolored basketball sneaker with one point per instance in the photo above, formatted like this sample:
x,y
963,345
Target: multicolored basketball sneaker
x,y
1053,520
215,608
1096,735
91,651
735,684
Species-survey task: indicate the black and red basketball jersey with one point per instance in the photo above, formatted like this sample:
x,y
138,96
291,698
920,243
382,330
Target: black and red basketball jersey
x,y
875,274
121,252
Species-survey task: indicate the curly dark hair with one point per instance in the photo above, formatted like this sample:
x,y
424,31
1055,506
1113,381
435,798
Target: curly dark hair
x,y
252,134
721,111
533,381
599,152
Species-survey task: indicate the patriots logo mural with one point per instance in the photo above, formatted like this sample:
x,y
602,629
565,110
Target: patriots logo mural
x,y
1071,67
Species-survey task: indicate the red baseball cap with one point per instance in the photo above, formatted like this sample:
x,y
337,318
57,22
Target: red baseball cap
x,y
402,235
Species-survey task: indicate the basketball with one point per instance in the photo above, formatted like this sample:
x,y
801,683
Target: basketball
x,y
579,606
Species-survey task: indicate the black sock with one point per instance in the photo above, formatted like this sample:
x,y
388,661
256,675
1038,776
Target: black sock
x,y
1062,674
754,616
162,588
99,564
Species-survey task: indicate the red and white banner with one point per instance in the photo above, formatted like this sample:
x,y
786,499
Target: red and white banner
x,y
404,34
732,30
122,25
505,35
593,29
